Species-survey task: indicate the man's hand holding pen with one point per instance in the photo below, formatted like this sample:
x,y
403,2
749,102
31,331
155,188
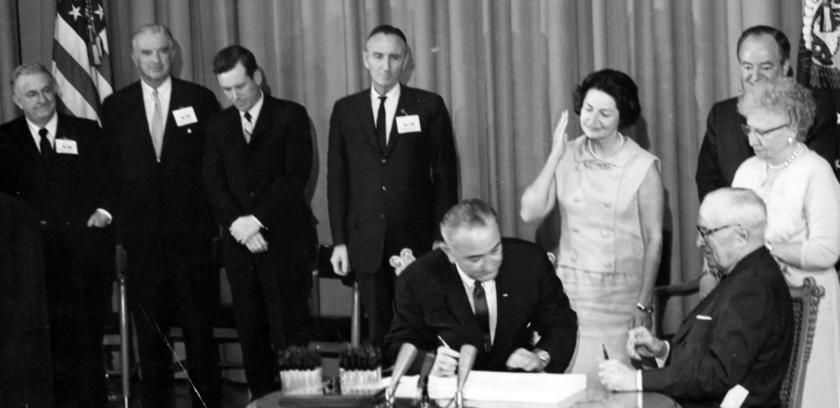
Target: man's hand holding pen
x,y
446,360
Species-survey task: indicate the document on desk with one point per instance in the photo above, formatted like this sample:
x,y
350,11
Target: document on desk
x,y
496,389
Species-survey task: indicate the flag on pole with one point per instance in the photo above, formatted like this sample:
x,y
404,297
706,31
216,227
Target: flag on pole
x,y
819,59
81,64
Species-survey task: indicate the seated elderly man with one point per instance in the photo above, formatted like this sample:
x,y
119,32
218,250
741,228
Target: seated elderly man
x,y
484,290
739,335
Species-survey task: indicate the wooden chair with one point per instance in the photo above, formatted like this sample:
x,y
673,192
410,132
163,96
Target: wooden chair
x,y
806,301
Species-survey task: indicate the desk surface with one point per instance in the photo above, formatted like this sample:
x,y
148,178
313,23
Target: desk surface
x,y
596,397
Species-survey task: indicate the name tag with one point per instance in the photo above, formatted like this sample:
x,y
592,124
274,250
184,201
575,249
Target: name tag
x,y
704,317
66,146
184,116
408,124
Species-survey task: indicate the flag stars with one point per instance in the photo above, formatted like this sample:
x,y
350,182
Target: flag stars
x,y
76,12
99,12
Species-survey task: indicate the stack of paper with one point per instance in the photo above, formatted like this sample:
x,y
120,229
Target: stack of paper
x,y
487,388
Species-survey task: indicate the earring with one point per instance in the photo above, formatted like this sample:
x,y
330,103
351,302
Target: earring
x,y
790,141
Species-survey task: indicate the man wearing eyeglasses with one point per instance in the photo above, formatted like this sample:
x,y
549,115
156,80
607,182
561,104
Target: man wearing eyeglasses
x,y
739,336
763,55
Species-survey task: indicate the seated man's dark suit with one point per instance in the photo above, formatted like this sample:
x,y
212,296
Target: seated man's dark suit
x,y
165,224
741,333
265,178
725,146
26,374
431,301
64,193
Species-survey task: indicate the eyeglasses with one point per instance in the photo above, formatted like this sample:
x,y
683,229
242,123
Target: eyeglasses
x,y
706,232
761,132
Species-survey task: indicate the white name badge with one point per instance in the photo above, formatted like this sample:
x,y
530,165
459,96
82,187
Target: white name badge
x,y
408,124
184,116
66,146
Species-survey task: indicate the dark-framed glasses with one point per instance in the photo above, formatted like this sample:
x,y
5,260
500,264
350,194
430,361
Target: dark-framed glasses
x,y
705,233
761,132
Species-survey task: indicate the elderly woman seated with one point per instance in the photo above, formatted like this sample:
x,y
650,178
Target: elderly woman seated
x,y
803,214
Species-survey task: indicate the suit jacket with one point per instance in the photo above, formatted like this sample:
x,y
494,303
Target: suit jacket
x,y
430,300
26,370
725,146
65,194
403,191
741,333
265,177
165,198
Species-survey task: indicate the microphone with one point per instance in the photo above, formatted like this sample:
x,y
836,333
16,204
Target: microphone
x,y
465,364
422,399
404,359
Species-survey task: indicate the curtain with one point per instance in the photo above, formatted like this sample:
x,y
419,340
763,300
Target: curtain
x,y
506,69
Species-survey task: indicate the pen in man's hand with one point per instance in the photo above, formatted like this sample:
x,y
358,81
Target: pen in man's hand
x,y
443,342
604,349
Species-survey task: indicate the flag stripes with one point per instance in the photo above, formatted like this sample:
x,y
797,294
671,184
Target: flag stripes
x,y
80,40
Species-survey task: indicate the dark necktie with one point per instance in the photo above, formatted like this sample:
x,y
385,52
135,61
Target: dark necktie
x,y
482,313
380,124
249,127
46,148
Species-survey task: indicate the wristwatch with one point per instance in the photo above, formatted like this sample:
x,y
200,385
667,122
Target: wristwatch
x,y
644,308
543,356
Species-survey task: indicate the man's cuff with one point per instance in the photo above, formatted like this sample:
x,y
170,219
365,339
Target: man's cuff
x,y
639,380
105,213
257,220
660,362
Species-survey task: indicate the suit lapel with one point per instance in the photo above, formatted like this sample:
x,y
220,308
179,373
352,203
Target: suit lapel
x,y
364,110
456,299
25,140
136,114
263,123
505,310
405,106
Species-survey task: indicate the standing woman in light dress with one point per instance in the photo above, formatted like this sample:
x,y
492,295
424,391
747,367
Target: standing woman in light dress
x,y
610,196
803,215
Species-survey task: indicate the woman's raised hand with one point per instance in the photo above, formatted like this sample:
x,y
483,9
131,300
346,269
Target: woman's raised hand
x,y
560,139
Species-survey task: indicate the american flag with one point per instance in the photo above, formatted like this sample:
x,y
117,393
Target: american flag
x,y
81,64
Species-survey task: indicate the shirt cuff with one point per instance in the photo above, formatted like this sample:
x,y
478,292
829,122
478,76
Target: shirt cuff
x,y
639,380
258,221
660,362
105,213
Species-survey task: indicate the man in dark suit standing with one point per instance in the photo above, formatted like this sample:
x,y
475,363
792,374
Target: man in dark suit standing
x,y
484,290
257,163
741,334
391,174
164,219
763,55
54,163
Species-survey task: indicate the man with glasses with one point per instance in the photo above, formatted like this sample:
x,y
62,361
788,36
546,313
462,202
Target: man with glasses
x,y
763,55
739,336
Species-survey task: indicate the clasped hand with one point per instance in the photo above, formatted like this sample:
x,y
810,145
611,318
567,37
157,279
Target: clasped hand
x,y
246,231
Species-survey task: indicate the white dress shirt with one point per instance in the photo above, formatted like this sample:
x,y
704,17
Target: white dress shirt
x,y
393,96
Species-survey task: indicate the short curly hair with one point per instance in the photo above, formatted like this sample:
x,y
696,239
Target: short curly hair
x,y
620,87
783,96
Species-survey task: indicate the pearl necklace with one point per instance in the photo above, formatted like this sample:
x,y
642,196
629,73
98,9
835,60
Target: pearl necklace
x,y
592,151
789,160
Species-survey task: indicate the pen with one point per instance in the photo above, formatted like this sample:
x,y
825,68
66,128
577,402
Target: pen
x,y
442,341
604,349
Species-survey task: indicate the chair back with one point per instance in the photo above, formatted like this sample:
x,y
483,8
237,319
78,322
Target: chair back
x,y
806,303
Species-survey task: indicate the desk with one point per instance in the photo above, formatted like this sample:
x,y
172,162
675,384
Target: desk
x,y
596,397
